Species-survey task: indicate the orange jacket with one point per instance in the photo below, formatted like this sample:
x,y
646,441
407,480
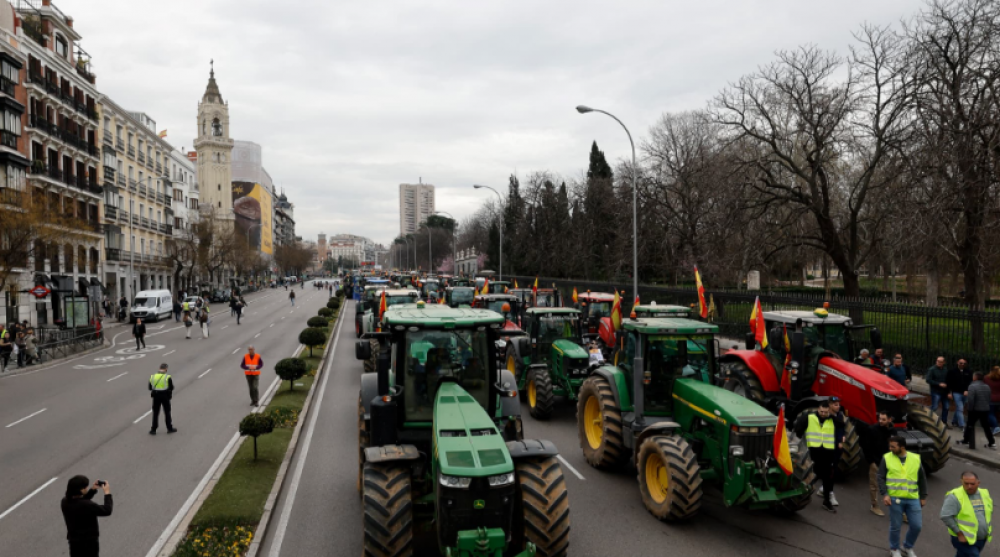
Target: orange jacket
x,y
250,365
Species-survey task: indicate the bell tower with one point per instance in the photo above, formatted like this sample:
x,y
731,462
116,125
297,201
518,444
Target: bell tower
x,y
215,148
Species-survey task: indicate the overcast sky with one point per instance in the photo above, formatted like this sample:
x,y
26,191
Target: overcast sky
x,y
350,99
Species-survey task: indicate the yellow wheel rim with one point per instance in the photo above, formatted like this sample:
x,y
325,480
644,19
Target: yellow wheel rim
x,y
531,393
511,364
593,422
657,479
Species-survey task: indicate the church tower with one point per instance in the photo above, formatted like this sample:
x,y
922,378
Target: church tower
x,y
214,148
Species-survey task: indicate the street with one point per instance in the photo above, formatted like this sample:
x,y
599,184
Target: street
x,y
320,513
90,416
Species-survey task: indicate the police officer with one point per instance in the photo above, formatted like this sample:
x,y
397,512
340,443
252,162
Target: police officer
x,y
903,486
161,387
967,512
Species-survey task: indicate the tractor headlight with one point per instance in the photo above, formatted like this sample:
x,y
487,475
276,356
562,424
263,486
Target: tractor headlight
x,y
748,430
794,365
456,482
501,479
736,450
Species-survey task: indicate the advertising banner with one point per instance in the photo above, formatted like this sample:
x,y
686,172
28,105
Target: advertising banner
x,y
252,205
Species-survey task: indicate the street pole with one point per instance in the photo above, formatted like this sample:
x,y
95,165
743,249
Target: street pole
x,y
635,221
500,225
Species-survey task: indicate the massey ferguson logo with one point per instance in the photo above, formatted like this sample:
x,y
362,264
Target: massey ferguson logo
x,y
841,376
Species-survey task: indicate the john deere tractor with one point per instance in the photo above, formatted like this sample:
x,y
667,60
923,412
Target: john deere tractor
x,y
548,361
370,322
658,409
372,288
440,447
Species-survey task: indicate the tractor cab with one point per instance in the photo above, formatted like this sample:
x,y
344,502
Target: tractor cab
x,y
369,296
594,307
504,304
431,288
498,287
545,298
460,281
653,309
457,296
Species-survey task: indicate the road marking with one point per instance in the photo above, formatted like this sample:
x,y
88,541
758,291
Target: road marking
x,y
286,511
570,466
235,351
272,324
204,374
284,317
169,353
116,377
26,417
139,419
225,327
30,495
256,335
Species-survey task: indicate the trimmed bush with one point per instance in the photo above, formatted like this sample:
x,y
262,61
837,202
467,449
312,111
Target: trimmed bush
x,y
312,337
256,425
333,303
317,322
325,312
339,293
291,369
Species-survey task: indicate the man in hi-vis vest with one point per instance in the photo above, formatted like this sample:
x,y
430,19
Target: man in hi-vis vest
x,y
903,486
251,364
968,513
161,388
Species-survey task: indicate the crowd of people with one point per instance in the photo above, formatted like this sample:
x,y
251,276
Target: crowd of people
x,y
19,344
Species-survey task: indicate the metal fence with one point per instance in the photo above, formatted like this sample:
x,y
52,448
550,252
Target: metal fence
x,y
919,332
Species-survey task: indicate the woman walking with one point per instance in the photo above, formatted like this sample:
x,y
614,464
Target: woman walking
x,y
291,296
203,319
31,345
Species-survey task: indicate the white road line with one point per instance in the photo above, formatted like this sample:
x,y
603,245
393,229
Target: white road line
x,y
30,495
225,326
204,374
293,487
272,324
116,377
140,418
235,351
570,466
256,335
169,353
26,417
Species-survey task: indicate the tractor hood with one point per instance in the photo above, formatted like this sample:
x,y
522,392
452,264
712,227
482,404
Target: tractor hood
x,y
569,349
721,405
859,376
465,439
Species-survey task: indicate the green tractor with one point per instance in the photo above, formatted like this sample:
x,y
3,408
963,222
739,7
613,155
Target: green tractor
x,y
498,287
459,296
440,447
658,409
369,319
369,296
548,362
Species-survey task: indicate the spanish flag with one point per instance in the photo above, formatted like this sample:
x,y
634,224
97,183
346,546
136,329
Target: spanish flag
x,y
616,313
515,283
782,455
786,377
702,306
757,324
440,299
486,286
162,134
576,298
381,310
635,303
534,289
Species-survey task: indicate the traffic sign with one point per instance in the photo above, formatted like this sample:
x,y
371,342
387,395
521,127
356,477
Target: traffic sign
x,y
39,291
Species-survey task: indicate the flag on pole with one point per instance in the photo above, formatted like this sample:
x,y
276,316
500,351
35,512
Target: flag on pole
x,y
702,306
782,455
786,378
515,283
534,289
486,286
616,313
441,300
711,307
576,299
757,324
635,303
162,134
381,310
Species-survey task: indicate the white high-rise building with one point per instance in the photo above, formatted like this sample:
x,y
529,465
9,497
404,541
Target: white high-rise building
x,y
416,203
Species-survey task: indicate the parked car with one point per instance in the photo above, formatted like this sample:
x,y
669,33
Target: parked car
x,y
219,296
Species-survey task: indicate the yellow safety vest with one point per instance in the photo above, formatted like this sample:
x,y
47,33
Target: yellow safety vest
x,y
187,306
966,518
820,435
159,381
902,479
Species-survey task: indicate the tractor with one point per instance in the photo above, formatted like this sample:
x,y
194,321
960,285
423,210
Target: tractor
x,y
819,367
548,362
372,288
440,447
456,296
657,409
430,289
498,287
370,321
606,331
498,303
594,308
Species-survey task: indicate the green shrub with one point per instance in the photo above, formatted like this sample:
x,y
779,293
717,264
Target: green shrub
x,y
312,337
284,417
317,322
325,312
333,303
256,425
339,293
291,369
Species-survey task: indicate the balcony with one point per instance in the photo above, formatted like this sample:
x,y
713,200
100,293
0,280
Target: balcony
x,y
142,157
7,86
69,178
35,76
95,188
114,254
108,138
168,201
8,139
121,180
159,169
55,173
92,226
92,113
109,174
110,213
142,190
131,151
135,219
40,123
120,145
52,86
132,186
10,196
159,197
92,150
145,222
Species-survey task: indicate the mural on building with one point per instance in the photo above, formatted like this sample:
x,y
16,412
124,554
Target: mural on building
x,y
252,206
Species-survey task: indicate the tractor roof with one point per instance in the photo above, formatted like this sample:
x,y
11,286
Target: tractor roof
x,y
459,288
806,317
665,308
497,296
669,325
562,311
597,297
440,316
401,292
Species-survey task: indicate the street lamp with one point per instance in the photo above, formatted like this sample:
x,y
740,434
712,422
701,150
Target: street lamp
x,y
454,247
500,225
635,226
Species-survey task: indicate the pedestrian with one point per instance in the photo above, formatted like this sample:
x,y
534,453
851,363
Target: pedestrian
x,y
20,349
139,332
878,358
188,322
252,362
291,297
978,403
161,388
80,514
122,308
900,372
864,359
819,431
959,379
839,432
6,348
106,306
937,378
203,319
992,380
903,486
31,345
876,444
232,305
177,311
967,512
239,309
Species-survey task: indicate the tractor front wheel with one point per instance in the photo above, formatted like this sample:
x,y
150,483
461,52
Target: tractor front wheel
x,y
669,478
371,364
541,399
363,443
922,419
599,424
388,510
514,366
544,503
804,473
742,381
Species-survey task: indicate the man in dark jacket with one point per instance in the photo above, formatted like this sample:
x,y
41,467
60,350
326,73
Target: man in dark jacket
x,y
937,378
958,381
978,402
876,444
80,514
161,388
139,332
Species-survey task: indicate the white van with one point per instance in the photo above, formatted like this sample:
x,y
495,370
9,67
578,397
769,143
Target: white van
x,y
151,305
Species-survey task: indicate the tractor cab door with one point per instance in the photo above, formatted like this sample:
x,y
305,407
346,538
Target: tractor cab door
x,y
665,360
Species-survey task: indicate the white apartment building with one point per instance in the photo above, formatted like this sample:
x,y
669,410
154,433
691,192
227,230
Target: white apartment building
x,y
416,203
183,177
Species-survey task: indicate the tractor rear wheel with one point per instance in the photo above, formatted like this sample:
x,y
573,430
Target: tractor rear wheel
x,y
514,366
805,474
922,419
743,382
371,364
669,478
541,399
388,510
599,424
850,455
363,442
544,503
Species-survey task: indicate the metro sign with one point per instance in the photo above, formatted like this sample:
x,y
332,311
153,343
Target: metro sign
x,y
39,291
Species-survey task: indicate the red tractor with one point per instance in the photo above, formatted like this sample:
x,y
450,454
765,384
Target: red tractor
x,y
595,308
820,367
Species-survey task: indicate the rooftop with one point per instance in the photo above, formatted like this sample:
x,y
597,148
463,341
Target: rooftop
x,y
669,325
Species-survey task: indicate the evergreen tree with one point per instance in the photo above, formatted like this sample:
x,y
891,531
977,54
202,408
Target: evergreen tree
x,y
598,204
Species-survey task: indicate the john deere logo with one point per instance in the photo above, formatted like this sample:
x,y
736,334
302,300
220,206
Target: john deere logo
x,y
479,504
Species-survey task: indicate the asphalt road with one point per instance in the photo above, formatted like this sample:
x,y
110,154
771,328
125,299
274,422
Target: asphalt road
x,y
89,416
319,511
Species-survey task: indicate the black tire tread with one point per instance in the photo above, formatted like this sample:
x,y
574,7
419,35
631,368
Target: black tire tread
x,y
545,398
742,374
363,443
806,474
685,493
544,504
612,452
388,510
371,364
851,455
922,419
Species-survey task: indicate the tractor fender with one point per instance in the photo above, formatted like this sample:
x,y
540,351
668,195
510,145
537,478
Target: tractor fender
x,y
509,405
656,428
531,448
619,385
369,391
758,364
389,453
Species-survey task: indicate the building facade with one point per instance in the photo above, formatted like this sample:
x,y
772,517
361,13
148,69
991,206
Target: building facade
x,y
284,219
185,205
416,203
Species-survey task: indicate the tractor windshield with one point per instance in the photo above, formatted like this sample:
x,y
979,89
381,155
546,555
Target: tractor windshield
x,y
833,338
431,287
434,354
545,300
497,305
555,327
462,295
669,357
600,309
399,300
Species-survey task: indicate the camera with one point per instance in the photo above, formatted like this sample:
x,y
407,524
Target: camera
x,y
101,483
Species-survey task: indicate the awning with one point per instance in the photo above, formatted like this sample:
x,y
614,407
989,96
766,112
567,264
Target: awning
x,y
42,278
83,285
95,282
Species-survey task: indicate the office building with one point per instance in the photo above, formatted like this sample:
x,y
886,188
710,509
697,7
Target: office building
x,y
416,203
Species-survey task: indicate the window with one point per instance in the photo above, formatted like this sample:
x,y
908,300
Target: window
x,y
142,246
13,177
220,187
61,48
119,134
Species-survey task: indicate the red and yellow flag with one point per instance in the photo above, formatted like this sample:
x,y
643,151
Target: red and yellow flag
x,y
486,286
616,313
635,303
702,306
576,299
786,377
440,299
757,324
381,310
515,283
534,289
782,455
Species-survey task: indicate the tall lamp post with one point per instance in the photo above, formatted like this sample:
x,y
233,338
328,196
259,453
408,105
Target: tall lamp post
x,y
454,248
635,226
500,225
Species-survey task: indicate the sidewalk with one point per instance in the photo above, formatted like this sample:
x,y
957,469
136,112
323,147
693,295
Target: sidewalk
x,y
981,455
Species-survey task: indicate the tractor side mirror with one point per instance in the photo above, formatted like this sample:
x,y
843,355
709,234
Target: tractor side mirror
x,y
505,389
750,341
363,350
876,338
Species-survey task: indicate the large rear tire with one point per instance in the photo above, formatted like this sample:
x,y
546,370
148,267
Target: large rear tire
x,y
541,399
371,364
514,365
851,455
922,419
388,510
742,381
363,443
599,424
669,478
805,473
544,503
